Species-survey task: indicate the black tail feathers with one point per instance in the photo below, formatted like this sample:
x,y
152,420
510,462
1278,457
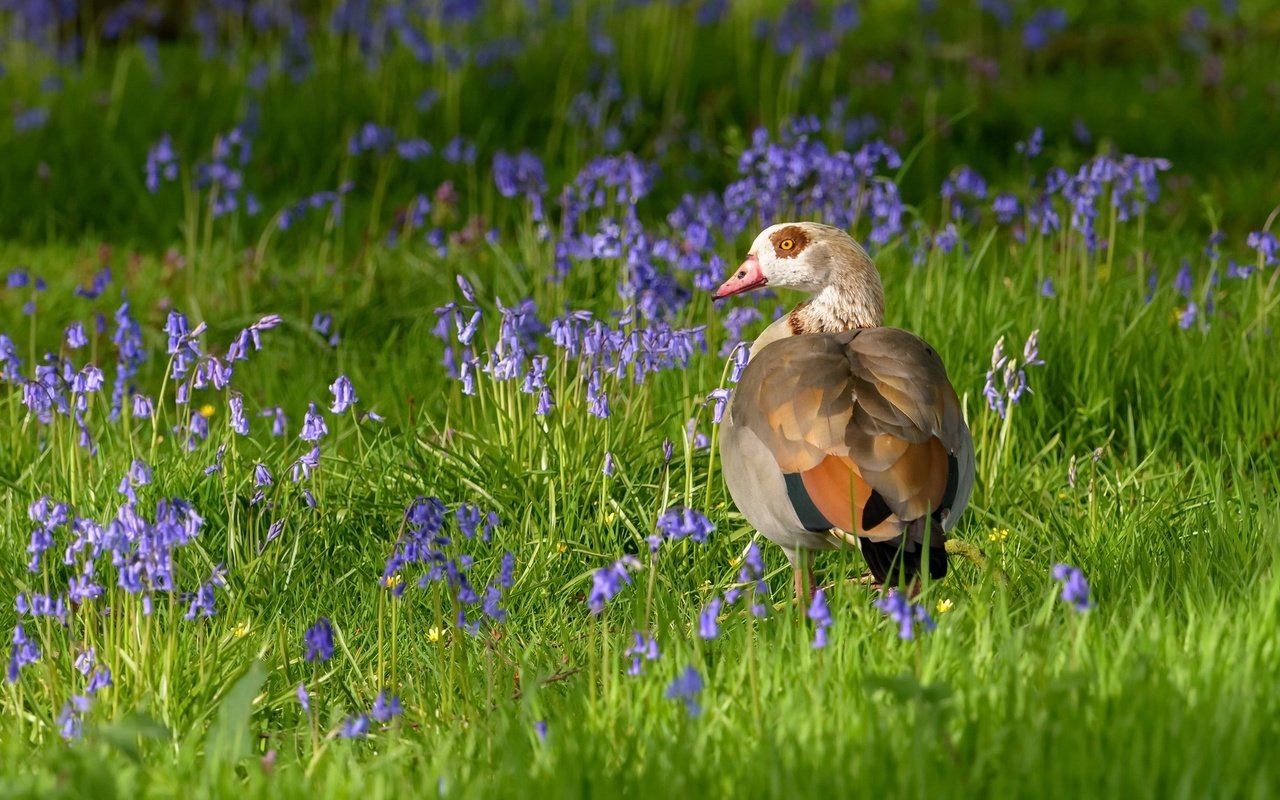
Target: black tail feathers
x,y
897,562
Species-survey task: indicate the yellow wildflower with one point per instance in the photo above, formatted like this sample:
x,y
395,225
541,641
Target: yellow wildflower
x,y
207,410
240,631
434,634
998,534
944,605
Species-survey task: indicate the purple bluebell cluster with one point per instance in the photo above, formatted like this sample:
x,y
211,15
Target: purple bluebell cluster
x,y
1040,28
644,647
1007,379
607,581
687,688
130,552
1075,589
680,522
708,618
820,615
809,30
318,641
905,613
330,201
426,544
222,175
162,164
603,354
751,574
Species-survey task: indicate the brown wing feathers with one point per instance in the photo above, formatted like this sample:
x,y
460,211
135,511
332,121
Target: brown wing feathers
x,y
858,414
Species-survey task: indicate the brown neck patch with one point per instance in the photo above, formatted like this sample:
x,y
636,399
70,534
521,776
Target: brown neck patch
x,y
795,322
789,241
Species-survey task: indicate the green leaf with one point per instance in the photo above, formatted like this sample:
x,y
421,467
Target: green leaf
x,y
125,734
230,738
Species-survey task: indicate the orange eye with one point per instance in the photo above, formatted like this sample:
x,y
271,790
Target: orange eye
x,y
787,244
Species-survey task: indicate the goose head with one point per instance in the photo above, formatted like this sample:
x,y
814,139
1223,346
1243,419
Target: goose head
x,y
820,260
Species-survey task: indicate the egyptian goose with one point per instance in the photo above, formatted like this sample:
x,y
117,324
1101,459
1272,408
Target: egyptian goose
x,y
841,431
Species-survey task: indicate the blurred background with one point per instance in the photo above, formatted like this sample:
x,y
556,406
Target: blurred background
x,y
87,89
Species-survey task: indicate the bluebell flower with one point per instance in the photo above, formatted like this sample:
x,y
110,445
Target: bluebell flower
x,y
506,571
1033,145
735,323
597,398
686,687
1046,288
318,640
71,719
719,397
707,619
468,518
1265,243
695,437
23,652
545,402
964,181
1187,316
905,613
139,472
178,329
304,698
87,381
1183,282
1043,23
216,466
84,660
1007,380
607,469
1238,271
1006,207
313,426
752,571
821,617
261,475
322,323
607,581
355,726
947,238
344,395
99,680
521,175
1075,589
489,604
162,164
279,422
202,602
642,646
540,728
679,522
76,337
37,604
238,422
385,709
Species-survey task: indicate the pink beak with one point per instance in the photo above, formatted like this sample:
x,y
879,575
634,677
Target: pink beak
x,y
749,276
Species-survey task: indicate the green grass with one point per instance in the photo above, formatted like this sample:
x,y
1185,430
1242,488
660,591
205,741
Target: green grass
x,y
1166,688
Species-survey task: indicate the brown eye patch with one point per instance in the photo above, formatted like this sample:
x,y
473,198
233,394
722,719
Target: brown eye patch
x,y
789,241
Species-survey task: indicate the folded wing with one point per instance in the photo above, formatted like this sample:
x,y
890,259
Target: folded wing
x,y
868,421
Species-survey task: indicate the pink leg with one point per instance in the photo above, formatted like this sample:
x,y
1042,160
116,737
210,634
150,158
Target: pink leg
x,y
803,572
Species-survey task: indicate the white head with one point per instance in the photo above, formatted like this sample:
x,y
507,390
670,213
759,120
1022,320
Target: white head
x,y
797,255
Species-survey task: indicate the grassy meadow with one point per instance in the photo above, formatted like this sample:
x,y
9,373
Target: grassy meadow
x,y
485,233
